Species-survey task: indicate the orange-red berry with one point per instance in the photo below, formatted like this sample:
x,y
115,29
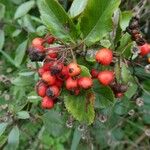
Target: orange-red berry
x,y
74,69
85,82
47,103
48,78
37,43
119,95
145,49
71,84
64,74
106,77
104,56
53,91
41,88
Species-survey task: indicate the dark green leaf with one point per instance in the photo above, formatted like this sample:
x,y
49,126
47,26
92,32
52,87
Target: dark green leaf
x,y
56,19
2,127
54,123
85,71
104,95
2,39
23,115
125,18
13,138
76,139
99,12
77,7
20,52
24,8
2,11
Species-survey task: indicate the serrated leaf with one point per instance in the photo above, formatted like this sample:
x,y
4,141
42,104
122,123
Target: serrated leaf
x,y
77,7
24,8
2,127
13,138
125,19
56,19
99,12
104,95
23,115
81,107
2,11
20,52
2,39
54,123
85,71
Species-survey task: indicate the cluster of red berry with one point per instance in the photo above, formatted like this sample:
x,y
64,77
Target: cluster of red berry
x,y
55,73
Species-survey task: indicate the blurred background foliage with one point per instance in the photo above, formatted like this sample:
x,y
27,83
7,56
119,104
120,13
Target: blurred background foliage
x,y
127,125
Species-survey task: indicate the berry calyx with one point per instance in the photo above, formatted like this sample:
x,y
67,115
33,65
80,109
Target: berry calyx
x,y
85,82
106,77
104,56
145,49
48,78
41,88
94,73
71,84
74,69
53,91
47,103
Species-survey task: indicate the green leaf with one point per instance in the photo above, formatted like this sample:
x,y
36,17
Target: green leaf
x,y
125,19
24,8
20,52
76,139
8,58
81,107
2,128
13,138
104,95
2,11
23,115
2,39
99,12
85,71
56,19
54,123
77,7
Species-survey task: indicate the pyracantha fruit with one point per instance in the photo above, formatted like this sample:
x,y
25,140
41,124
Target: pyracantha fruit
x,y
74,69
85,82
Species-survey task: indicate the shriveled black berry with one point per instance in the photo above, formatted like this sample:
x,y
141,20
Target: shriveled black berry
x,y
50,92
35,55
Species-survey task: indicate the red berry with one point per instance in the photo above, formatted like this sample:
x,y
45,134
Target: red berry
x,y
85,82
74,69
50,40
53,91
106,77
53,55
145,49
64,73
94,73
59,83
71,84
48,78
119,95
41,71
41,88
47,103
104,56
37,43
